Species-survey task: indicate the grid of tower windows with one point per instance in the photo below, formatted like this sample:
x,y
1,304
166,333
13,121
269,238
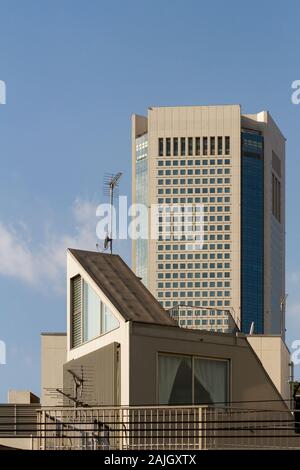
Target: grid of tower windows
x,y
195,275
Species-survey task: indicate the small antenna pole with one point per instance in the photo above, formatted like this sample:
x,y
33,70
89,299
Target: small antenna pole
x,y
111,201
282,314
111,181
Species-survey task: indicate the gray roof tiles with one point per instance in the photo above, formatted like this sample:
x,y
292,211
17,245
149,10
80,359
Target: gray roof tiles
x,y
123,288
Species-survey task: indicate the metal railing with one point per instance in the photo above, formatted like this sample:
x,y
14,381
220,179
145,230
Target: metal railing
x,y
169,428
18,419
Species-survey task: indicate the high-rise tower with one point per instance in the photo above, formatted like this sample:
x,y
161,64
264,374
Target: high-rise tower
x,y
232,166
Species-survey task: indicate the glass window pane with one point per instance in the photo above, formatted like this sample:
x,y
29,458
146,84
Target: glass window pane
x,y
227,145
190,145
168,146
204,142
182,146
160,146
212,146
197,146
91,313
175,146
109,321
175,380
220,145
210,381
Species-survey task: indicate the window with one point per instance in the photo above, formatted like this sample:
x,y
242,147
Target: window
x,y
190,145
212,146
90,317
182,146
175,146
197,150
220,145
76,311
168,146
186,380
227,145
91,313
175,380
276,197
160,146
204,142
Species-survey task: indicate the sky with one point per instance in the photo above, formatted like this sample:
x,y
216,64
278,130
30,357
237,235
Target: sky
x,y
75,71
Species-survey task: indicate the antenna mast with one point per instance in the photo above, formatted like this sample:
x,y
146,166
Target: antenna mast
x,y
111,183
282,314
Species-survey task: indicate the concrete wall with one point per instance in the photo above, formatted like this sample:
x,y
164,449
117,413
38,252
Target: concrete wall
x,y
53,356
100,371
275,358
250,385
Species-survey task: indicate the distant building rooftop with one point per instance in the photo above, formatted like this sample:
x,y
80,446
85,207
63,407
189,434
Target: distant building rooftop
x,y
48,333
22,397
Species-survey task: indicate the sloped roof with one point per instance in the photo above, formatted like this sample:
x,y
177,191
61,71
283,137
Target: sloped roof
x,y
122,287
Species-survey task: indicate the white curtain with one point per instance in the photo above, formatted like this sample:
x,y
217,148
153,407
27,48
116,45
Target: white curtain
x,y
175,380
168,367
210,381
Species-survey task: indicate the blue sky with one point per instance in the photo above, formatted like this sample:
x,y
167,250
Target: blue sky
x,y
75,71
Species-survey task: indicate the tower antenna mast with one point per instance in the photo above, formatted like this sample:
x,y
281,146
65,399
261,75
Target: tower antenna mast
x,y
111,183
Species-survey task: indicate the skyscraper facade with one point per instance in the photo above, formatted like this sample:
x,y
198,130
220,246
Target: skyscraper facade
x,y
227,170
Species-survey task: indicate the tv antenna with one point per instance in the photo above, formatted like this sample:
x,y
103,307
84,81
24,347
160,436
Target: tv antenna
x,y
78,388
282,314
111,183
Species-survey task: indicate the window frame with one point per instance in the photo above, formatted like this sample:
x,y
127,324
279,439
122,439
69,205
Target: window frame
x,y
102,304
193,357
